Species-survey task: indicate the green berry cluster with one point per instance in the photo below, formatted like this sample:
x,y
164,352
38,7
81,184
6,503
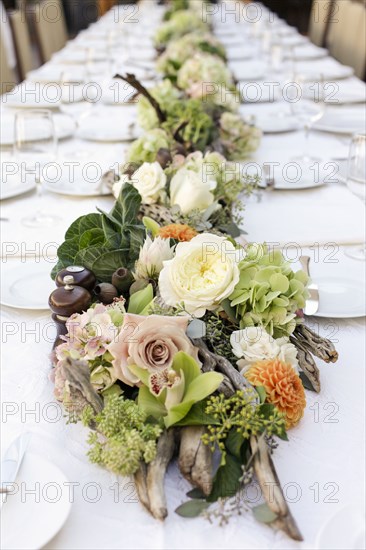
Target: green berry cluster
x,y
241,413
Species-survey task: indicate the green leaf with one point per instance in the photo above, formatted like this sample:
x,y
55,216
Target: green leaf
x,y
263,513
203,386
92,237
192,508
233,443
197,416
140,300
196,494
149,404
227,479
105,264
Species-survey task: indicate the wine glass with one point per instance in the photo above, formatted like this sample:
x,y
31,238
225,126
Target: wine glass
x,y
35,145
356,183
307,113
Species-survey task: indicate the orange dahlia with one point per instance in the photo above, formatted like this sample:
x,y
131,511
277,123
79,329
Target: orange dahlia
x,y
178,231
283,387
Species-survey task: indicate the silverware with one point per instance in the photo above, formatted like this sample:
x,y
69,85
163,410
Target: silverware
x,y
12,460
312,303
269,177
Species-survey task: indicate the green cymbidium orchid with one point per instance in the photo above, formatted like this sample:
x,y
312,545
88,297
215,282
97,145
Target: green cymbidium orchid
x,y
171,393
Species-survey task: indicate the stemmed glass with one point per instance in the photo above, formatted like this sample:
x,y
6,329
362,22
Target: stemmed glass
x,y
307,112
356,183
35,145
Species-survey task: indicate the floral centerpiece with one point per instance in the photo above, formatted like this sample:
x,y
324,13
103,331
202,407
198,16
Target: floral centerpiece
x,y
203,351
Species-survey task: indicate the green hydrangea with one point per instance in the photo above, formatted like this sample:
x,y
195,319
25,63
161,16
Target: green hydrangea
x,y
238,138
145,148
184,48
180,23
122,437
166,95
269,292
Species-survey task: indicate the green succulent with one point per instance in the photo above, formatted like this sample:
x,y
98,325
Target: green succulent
x,y
269,292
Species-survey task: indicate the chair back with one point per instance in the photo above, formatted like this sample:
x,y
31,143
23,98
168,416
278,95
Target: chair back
x,y
319,21
22,42
7,76
50,28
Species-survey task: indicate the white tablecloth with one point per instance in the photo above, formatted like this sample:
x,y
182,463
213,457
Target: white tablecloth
x,y
320,467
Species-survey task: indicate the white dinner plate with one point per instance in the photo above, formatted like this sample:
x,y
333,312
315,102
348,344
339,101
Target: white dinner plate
x,y
118,92
342,121
64,126
53,73
277,123
79,56
344,529
12,185
335,71
341,296
30,524
306,52
293,40
291,176
26,285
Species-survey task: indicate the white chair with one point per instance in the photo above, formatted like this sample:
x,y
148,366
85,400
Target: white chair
x,y
319,20
22,42
346,39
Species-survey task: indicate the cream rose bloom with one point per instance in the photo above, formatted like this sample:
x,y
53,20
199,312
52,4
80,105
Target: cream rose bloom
x,y
254,344
149,180
203,272
149,343
191,190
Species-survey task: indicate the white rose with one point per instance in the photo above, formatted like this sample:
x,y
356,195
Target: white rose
x,y
203,272
152,255
254,344
190,190
149,180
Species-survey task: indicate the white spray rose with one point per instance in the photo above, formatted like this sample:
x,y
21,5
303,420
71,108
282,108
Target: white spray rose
x,y
152,255
191,190
254,344
149,180
203,272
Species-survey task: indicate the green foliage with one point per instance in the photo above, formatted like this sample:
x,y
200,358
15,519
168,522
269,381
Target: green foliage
x,y
123,437
269,293
140,302
145,148
105,242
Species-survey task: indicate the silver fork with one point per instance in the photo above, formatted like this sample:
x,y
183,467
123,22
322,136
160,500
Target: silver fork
x,y
269,177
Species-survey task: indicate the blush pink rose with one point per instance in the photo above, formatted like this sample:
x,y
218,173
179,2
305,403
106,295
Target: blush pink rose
x,y
150,343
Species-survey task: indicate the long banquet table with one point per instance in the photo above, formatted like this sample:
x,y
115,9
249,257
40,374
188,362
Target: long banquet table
x,y
320,466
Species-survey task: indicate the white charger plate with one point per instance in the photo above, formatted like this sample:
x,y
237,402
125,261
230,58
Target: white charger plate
x,y
14,187
342,121
248,70
64,126
26,285
28,524
37,97
341,296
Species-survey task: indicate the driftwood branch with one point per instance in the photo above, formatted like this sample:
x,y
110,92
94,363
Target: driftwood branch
x,y
271,488
195,458
307,363
149,479
132,81
316,344
212,362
